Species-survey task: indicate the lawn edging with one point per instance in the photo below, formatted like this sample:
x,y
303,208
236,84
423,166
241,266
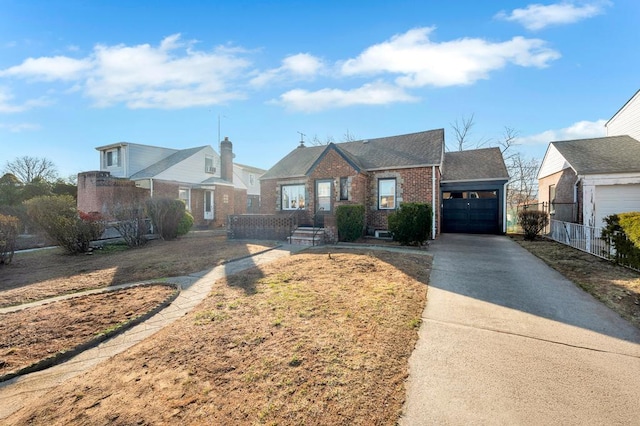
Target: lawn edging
x,y
65,355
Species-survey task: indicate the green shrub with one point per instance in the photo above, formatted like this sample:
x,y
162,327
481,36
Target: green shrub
x,y
630,223
411,223
165,214
9,226
350,221
625,251
58,217
185,224
532,223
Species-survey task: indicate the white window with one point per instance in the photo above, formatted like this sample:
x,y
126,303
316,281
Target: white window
x,y
184,194
112,157
293,197
387,193
208,165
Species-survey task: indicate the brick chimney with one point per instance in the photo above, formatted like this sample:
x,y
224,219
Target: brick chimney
x,y
226,160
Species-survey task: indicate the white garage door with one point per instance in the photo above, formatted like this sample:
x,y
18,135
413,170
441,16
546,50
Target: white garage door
x,y
614,199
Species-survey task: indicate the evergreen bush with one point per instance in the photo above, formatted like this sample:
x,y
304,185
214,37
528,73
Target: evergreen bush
x,y
350,221
411,223
165,214
185,224
625,251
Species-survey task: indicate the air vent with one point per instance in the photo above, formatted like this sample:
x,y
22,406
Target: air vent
x,y
386,235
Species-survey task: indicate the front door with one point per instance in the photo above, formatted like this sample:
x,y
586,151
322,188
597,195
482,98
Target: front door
x,y
323,201
208,205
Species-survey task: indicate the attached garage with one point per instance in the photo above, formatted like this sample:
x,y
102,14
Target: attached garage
x,y
471,211
472,191
614,199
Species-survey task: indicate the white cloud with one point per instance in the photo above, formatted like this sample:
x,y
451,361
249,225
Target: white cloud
x,y
420,62
537,16
146,77
8,106
299,66
578,130
49,68
172,75
377,93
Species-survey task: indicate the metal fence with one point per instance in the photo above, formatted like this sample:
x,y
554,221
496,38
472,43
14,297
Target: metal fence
x,y
564,212
581,237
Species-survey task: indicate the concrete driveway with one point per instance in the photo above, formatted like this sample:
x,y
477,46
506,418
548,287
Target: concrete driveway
x,y
507,340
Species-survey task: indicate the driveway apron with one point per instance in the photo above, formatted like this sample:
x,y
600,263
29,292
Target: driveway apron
x,y
507,340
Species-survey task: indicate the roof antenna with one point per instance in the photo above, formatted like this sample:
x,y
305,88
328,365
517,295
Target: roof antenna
x,y
302,135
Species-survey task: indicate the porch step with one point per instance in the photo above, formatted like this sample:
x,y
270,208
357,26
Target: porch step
x,y
304,235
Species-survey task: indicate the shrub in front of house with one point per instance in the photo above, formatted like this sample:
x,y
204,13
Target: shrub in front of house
x,y
616,231
185,224
63,223
411,223
131,223
350,221
166,214
532,223
9,226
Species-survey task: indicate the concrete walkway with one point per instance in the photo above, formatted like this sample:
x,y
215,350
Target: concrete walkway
x,y
506,340
24,390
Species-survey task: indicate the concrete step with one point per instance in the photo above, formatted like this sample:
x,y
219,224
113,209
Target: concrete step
x,y
305,236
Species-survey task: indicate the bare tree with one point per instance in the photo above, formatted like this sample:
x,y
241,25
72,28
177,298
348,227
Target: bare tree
x,y
461,130
28,169
462,133
347,137
523,185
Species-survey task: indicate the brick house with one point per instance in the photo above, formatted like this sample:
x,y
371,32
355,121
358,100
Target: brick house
x,y
381,174
211,185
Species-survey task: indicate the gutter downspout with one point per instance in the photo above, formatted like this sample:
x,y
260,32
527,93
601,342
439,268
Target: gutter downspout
x,y
151,187
575,199
433,202
504,207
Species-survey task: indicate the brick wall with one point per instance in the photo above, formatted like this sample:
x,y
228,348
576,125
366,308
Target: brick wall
x,y
99,191
412,185
564,182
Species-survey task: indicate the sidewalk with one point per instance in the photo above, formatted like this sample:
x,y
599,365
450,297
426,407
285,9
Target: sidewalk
x,y
23,390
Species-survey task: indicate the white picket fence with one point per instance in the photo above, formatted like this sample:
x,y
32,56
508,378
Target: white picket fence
x,y
581,237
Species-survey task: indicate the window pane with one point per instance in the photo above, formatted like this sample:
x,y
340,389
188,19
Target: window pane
x,y
387,193
293,197
324,196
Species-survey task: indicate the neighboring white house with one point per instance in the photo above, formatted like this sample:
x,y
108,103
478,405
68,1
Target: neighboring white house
x,y
627,120
600,176
210,184
596,177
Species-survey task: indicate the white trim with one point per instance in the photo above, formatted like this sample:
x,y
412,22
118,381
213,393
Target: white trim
x,y
433,202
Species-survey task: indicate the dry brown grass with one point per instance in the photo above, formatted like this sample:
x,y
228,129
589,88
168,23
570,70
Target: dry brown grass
x,y
616,286
43,274
31,335
316,338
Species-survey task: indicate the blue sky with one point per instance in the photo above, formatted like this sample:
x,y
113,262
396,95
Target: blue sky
x,y
75,75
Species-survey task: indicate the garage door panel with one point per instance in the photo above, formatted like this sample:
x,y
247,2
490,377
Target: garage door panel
x,y
470,215
615,199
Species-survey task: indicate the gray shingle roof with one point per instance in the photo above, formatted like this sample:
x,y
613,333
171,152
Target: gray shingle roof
x,y
474,164
165,163
411,150
611,154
